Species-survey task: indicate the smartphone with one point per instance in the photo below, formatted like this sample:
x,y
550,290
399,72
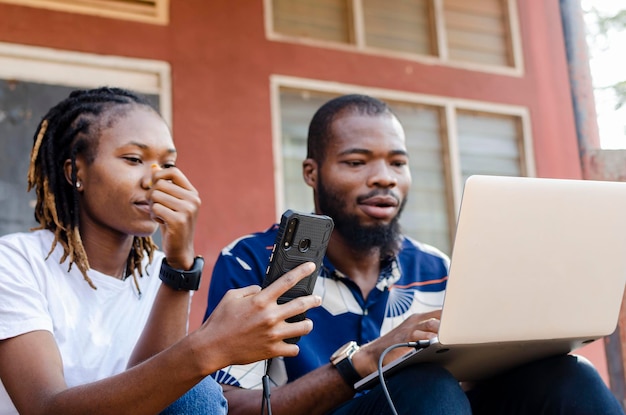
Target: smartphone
x,y
302,237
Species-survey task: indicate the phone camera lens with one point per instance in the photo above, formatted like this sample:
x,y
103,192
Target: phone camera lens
x,y
304,245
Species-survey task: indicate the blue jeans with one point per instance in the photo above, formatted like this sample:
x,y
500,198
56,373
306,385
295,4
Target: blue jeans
x,y
206,398
420,389
560,385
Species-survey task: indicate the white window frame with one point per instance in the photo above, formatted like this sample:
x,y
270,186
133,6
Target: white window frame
x,y
103,8
84,70
517,70
449,105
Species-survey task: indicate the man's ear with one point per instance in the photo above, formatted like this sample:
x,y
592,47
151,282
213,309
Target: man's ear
x,y
310,172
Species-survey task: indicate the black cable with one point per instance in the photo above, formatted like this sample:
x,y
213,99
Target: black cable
x,y
266,389
421,344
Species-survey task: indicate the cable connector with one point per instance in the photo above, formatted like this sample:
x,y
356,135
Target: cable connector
x,y
420,344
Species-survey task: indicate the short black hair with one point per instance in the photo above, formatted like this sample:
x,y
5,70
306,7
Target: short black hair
x,y
320,132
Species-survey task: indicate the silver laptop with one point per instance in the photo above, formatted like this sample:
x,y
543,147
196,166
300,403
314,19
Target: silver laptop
x,y
538,268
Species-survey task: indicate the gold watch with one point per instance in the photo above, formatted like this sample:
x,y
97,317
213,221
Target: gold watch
x,y
342,361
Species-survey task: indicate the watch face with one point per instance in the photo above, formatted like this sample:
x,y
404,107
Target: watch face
x,y
343,350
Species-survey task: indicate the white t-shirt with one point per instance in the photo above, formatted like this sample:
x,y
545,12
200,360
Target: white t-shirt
x,y
96,330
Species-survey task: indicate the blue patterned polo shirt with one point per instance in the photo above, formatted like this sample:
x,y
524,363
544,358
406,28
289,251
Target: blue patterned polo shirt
x,y
412,282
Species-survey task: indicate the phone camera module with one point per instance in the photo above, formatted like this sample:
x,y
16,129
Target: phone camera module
x,y
304,245
291,228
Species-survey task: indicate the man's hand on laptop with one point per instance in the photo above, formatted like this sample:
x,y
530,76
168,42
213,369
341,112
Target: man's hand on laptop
x,y
417,327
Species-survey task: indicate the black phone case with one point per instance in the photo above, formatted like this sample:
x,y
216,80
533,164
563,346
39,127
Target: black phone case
x,y
306,242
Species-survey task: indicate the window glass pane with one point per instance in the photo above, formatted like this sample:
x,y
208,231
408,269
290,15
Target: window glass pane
x,y
297,108
402,25
22,105
478,31
426,216
317,19
489,144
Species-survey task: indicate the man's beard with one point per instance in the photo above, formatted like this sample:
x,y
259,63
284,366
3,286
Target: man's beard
x,y
363,238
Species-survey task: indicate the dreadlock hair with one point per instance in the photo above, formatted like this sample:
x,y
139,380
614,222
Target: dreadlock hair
x,y
69,129
320,131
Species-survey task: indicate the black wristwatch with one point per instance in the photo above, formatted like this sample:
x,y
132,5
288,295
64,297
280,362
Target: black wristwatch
x,y
180,280
342,361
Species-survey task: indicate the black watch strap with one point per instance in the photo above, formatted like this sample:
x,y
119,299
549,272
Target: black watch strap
x,y
347,371
181,280
342,361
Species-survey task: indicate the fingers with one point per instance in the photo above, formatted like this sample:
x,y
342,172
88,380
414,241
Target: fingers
x,y
171,206
415,327
170,200
253,324
243,292
297,305
295,330
429,323
170,175
175,204
290,279
427,328
292,323
283,314
422,326
264,300
170,191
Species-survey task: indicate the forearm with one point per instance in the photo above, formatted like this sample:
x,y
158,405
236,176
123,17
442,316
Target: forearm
x,y
314,393
166,324
140,390
37,386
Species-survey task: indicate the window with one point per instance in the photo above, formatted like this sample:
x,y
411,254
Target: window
x,y
477,32
31,81
488,144
147,11
447,142
400,25
323,19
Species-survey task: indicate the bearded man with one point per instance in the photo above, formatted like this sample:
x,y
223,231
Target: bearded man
x,y
379,288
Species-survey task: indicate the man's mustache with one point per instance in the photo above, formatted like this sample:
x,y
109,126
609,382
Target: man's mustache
x,y
378,193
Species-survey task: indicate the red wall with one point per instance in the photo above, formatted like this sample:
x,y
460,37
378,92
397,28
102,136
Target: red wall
x,y
221,63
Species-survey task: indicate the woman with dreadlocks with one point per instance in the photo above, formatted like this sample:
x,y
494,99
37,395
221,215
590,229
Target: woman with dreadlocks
x,y
93,315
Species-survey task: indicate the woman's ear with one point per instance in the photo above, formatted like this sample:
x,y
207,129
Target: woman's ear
x,y
67,170
309,172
